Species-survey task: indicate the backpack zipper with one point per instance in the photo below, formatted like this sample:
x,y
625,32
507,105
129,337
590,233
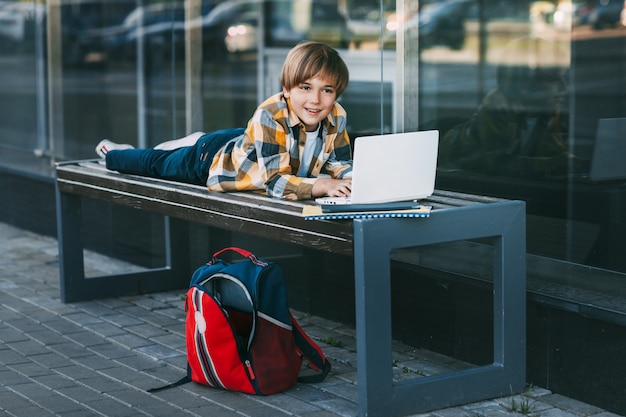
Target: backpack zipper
x,y
250,370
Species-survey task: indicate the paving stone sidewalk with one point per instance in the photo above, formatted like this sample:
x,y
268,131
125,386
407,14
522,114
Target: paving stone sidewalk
x,y
98,358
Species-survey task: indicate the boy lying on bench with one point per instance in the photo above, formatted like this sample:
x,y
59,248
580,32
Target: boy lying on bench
x,y
292,137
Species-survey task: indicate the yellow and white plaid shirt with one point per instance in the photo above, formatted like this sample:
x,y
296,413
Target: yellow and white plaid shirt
x,y
267,156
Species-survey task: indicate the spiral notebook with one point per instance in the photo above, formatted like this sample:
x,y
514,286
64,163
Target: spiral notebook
x,y
315,213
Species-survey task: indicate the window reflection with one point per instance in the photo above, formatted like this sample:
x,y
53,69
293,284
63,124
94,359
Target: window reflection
x,y
21,34
521,106
520,127
520,91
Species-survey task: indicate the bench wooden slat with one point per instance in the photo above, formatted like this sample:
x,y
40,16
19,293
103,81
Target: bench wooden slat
x,y
245,212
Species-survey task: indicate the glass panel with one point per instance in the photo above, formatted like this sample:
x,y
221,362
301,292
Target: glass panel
x,y
354,29
21,74
119,69
519,92
97,76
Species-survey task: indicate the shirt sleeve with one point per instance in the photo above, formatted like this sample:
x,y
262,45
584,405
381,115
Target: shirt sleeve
x,y
339,162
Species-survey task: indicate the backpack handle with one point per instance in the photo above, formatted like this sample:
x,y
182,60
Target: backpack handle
x,y
242,252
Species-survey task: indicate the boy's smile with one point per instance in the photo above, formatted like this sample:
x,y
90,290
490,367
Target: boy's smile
x,y
312,100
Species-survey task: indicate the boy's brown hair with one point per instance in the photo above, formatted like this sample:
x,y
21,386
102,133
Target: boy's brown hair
x,y
309,59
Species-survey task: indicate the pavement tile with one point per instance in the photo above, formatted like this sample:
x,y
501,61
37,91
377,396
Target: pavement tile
x,y
565,403
25,325
173,341
131,341
55,381
37,315
136,397
111,351
111,407
94,362
81,413
28,347
176,312
159,352
184,398
138,362
126,376
319,413
47,337
209,410
11,334
122,320
81,393
9,377
100,382
81,318
167,322
30,369
295,405
95,309
63,326
72,350
150,303
46,398
135,312
340,407
308,393
557,412
105,329
51,360
86,339
29,411
146,330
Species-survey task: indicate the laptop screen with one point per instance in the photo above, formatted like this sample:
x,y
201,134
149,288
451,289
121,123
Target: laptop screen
x,y
394,167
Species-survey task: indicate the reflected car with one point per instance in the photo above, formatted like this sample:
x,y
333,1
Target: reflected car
x,y
365,23
605,13
243,35
229,27
161,27
17,22
328,25
440,23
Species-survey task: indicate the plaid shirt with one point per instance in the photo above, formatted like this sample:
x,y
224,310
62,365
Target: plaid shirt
x,y
267,156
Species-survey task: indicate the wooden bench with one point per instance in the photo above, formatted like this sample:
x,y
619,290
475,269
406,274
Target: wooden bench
x,y
454,217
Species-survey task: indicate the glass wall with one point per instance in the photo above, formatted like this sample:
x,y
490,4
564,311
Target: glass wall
x,y
530,101
529,96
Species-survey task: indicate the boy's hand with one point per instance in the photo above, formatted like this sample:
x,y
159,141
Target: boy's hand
x,y
332,187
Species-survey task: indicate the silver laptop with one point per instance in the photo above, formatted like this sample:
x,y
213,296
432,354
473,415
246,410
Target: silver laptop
x,y
609,150
391,168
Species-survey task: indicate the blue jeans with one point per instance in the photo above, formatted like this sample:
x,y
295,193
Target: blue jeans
x,y
189,164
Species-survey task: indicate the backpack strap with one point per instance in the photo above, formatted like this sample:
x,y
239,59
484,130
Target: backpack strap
x,y
312,352
181,381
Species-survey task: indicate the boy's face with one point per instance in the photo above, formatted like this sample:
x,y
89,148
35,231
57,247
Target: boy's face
x,y
312,100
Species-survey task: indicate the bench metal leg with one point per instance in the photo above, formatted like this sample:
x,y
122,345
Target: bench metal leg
x,y
374,239
76,287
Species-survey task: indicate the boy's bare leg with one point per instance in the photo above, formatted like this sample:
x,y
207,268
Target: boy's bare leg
x,y
188,140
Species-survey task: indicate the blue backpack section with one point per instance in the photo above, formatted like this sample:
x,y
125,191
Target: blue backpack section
x,y
266,289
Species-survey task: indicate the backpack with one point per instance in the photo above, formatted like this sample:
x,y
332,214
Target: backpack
x,y
239,332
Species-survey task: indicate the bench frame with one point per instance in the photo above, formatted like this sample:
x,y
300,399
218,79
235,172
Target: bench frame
x,y
454,217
